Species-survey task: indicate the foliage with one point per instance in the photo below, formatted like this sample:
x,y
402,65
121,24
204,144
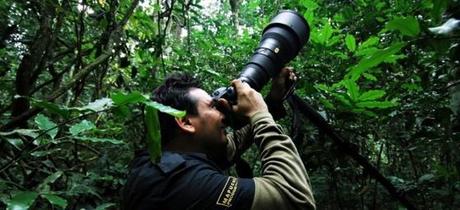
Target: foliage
x,y
76,75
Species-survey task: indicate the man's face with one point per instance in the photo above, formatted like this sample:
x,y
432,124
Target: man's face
x,y
210,129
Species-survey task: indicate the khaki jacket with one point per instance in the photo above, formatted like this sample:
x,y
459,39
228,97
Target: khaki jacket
x,y
284,183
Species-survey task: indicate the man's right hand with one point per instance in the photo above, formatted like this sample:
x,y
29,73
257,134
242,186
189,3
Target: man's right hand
x,y
249,101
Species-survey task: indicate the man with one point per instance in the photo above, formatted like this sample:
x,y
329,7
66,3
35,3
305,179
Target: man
x,y
196,149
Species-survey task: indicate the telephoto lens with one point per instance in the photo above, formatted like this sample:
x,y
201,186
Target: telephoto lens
x,y
281,41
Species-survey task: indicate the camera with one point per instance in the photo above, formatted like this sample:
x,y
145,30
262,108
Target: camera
x,y
281,41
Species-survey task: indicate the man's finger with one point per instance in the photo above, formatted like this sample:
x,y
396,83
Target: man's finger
x,y
224,104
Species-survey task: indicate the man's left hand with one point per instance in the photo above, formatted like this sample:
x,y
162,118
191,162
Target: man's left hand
x,y
282,84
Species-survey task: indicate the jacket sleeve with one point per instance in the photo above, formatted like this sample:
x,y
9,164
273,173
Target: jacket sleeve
x,y
284,183
238,142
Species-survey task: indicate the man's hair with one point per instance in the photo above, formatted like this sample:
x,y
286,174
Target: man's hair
x,y
175,93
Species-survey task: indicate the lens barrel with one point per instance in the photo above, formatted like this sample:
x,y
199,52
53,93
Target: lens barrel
x,y
281,41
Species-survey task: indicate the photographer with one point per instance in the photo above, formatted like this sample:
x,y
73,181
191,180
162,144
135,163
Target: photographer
x,y
196,150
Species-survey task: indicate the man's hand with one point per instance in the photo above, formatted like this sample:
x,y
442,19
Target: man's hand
x,y
249,101
281,84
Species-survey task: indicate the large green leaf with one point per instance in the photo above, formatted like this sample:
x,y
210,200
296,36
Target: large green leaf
x,y
120,98
80,127
22,200
371,95
408,26
98,140
153,133
165,109
55,200
373,60
98,105
45,124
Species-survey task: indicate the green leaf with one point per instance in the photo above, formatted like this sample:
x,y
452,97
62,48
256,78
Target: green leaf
x,y
369,76
44,123
438,8
165,109
371,41
105,206
128,98
22,201
350,42
426,178
408,26
153,133
49,180
25,132
98,140
16,143
326,103
80,127
373,60
342,99
352,89
55,200
376,104
371,95
98,105
323,87
51,107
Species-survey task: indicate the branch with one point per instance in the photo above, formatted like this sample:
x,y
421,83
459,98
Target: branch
x,y
347,148
103,57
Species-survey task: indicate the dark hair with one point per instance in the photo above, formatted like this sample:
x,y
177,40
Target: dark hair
x,y
175,93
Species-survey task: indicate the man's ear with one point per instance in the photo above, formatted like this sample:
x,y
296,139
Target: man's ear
x,y
185,124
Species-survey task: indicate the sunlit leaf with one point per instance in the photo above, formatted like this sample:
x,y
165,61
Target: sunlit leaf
x,y
45,124
80,127
165,109
22,200
350,42
98,105
371,41
408,26
120,98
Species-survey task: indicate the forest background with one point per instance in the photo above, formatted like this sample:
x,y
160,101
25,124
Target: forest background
x,y
75,76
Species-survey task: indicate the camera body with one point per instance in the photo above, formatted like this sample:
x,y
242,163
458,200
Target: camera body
x,y
281,41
